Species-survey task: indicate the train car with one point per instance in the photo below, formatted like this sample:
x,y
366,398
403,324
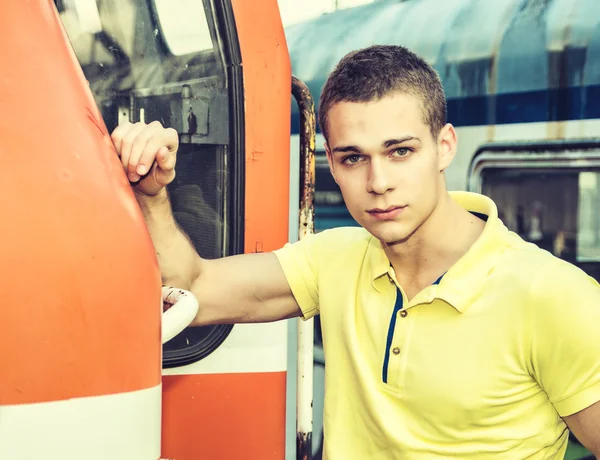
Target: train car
x,y
215,71
522,78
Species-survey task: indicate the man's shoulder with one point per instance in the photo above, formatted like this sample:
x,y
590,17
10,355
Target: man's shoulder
x,y
543,273
525,256
329,245
344,236
339,245
331,251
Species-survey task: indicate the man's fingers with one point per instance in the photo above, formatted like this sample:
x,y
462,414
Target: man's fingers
x,y
166,159
127,143
160,141
118,134
164,140
140,146
144,149
171,139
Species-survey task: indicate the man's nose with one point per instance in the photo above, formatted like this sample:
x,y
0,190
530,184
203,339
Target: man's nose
x,y
378,181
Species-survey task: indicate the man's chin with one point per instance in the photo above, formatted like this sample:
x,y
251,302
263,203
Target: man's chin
x,y
390,233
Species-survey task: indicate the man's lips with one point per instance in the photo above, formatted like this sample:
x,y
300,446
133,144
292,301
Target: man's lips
x,y
386,214
388,209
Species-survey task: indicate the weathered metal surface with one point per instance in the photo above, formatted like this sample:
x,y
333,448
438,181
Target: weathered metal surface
x,y
307,155
306,226
304,446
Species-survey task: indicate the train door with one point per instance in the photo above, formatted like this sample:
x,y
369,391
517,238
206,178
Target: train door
x,y
218,72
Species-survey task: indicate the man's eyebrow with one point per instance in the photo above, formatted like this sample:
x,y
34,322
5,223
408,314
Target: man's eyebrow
x,y
385,144
391,142
347,148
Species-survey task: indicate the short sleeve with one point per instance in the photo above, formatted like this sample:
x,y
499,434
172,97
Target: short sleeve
x,y
565,337
298,261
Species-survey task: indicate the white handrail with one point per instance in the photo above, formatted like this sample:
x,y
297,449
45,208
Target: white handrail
x,y
180,307
305,365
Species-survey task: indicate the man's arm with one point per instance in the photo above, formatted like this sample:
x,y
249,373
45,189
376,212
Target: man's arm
x,y
585,425
565,350
244,288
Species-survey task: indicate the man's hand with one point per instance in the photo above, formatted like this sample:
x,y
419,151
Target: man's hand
x,y
148,153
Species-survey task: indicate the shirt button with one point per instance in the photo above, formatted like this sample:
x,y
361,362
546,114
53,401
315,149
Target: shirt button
x,y
404,313
390,279
396,351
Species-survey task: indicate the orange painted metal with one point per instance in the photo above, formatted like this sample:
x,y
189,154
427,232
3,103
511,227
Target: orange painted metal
x,y
224,416
80,292
267,80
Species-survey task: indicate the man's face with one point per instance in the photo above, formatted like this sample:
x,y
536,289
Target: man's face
x,y
387,164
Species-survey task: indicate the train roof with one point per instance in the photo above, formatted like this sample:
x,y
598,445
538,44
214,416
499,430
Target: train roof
x,y
480,48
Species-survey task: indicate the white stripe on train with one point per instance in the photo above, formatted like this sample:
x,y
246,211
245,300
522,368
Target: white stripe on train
x,y
124,426
249,348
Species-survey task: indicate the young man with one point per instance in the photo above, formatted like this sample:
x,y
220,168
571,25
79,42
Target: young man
x,y
445,335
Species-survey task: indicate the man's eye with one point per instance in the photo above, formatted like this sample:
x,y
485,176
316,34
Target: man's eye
x,y
351,159
402,152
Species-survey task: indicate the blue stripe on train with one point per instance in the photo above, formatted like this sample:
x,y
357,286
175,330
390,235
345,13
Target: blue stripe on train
x,y
576,103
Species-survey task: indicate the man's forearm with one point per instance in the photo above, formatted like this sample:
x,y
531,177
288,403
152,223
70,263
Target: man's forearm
x,y
177,258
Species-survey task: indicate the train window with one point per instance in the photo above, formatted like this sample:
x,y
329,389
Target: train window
x,y
588,235
127,45
557,210
184,26
143,63
554,203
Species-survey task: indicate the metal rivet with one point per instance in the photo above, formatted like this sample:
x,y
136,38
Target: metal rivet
x,y
396,351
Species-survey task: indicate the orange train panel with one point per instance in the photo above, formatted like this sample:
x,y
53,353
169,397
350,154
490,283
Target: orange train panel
x,y
80,291
224,416
267,90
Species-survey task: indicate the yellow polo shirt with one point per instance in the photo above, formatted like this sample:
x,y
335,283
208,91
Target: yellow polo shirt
x,y
481,365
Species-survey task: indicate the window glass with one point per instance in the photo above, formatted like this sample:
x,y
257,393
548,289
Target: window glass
x,y
557,210
183,24
588,234
138,43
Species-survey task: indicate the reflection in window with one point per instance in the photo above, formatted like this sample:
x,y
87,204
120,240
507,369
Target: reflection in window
x,y
184,26
557,210
87,13
588,247
96,39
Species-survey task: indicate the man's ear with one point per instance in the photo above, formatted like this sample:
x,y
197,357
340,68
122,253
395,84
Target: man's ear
x,y
330,161
447,145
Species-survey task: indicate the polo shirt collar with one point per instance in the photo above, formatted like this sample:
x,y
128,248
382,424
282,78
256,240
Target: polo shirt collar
x,y
380,264
463,282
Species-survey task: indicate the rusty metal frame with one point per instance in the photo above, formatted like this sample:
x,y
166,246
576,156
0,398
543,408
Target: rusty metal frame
x,y
306,218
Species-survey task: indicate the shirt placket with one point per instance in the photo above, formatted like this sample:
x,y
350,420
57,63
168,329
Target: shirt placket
x,y
394,360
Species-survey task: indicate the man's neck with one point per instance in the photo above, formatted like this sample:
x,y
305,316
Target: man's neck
x,y
435,246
